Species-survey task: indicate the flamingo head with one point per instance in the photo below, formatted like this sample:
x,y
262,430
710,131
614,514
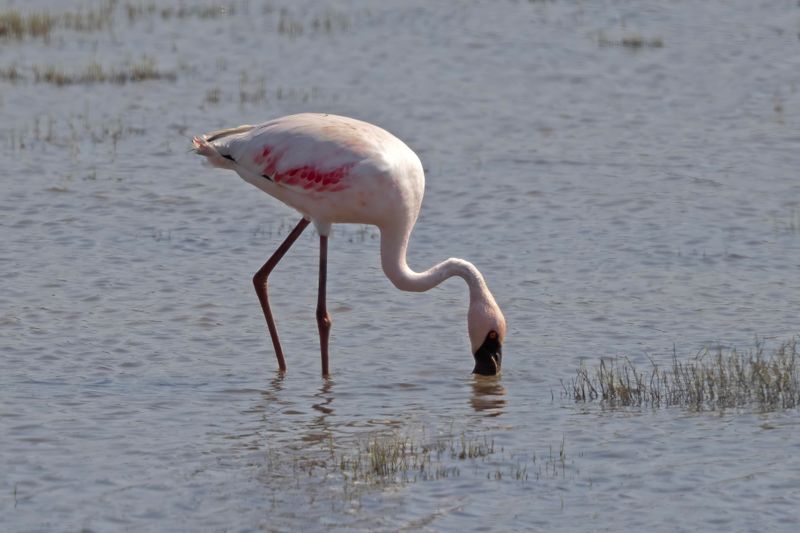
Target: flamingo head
x,y
487,331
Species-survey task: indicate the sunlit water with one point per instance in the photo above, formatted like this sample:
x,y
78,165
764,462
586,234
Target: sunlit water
x,y
619,200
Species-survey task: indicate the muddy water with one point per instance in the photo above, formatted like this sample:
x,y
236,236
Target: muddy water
x,y
625,174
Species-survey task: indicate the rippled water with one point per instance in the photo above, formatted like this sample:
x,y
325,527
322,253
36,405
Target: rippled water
x,y
620,200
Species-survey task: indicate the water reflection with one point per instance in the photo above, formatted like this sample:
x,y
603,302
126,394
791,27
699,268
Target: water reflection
x,y
488,395
326,398
275,387
319,426
312,425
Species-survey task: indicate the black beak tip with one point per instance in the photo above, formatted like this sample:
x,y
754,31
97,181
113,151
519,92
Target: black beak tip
x,y
489,357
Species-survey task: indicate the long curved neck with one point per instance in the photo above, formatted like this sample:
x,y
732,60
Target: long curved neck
x,y
394,244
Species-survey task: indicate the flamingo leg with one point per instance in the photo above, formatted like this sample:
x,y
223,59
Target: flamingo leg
x,y
323,318
260,283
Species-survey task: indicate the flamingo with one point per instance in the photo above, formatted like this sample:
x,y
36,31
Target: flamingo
x,y
334,169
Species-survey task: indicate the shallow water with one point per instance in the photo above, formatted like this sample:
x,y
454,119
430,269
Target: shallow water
x,y
619,201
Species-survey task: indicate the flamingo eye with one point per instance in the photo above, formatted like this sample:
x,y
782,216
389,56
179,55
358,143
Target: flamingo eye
x,y
492,335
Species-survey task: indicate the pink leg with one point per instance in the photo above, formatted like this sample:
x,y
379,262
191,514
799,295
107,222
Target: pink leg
x,y
323,318
260,282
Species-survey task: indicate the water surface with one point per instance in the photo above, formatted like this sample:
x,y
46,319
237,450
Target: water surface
x,y
619,200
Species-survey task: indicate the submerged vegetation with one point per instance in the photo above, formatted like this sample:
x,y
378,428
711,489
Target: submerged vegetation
x,y
713,380
399,459
142,70
11,74
343,473
18,25
633,41
70,132
136,11
790,223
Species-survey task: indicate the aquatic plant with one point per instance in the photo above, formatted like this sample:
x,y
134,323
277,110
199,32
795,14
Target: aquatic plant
x,y
11,74
143,70
252,92
713,380
90,20
340,471
394,458
294,25
634,41
212,95
213,10
16,25
789,223
398,459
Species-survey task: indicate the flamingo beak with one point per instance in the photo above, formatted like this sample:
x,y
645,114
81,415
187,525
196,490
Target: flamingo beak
x,y
489,357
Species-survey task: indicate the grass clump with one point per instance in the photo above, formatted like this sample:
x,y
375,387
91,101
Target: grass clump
x,y
397,459
142,70
12,24
252,91
328,22
16,25
90,20
713,380
11,74
212,95
789,224
339,471
140,10
633,42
